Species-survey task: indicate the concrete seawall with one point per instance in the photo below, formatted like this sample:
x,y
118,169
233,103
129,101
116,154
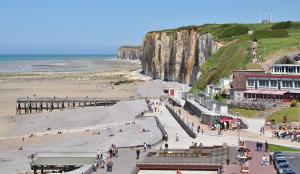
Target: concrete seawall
x,y
187,129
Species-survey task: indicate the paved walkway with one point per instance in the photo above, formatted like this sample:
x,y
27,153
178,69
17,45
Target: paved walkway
x,y
255,166
124,163
172,127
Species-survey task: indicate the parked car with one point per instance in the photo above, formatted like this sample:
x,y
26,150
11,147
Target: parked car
x,y
281,155
282,166
288,171
278,161
277,154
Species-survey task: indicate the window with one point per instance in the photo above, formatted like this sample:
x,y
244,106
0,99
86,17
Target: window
x,y
277,69
290,69
273,83
297,84
263,83
250,82
287,83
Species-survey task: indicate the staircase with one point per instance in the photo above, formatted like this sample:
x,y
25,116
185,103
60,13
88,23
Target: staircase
x,y
267,112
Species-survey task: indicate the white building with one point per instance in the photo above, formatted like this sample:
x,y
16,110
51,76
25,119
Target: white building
x,y
291,69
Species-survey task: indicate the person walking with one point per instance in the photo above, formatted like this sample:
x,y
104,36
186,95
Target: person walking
x,y
178,171
198,129
138,153
266,146
166,145
177,138
109,165
98,154
145,147
263,160
260,131
257,145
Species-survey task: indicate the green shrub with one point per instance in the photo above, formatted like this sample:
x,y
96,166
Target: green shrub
x,y
285,60
293,103
233,30
270,34
282,25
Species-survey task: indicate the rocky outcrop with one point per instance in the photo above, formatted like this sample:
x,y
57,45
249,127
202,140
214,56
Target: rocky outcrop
x,y
176,55
131,53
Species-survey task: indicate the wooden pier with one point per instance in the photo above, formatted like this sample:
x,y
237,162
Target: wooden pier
x,y
31,105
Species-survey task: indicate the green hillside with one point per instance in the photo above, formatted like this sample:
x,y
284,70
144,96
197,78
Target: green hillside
x,y
281,38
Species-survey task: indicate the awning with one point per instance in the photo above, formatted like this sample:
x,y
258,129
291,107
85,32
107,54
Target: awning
x,y
267,92
252,91
279,92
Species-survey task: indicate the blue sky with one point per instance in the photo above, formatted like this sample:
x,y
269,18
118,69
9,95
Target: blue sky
x,y
101,26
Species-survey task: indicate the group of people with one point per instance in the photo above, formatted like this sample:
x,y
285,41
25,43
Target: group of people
x,y
113,151
199,129
260,146
145,147
266,160
287,134
155,105
244,153
262,130
101,159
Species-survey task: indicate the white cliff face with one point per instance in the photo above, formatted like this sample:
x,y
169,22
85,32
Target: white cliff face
x,y
176,55
131,53
206,47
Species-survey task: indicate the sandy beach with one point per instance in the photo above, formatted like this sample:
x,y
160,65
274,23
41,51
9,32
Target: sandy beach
x,y
79,127
100,83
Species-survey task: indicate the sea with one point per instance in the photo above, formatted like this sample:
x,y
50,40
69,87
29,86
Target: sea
x,y
17,63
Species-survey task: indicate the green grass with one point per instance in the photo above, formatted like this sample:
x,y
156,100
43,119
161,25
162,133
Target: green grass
x,y
221,64
292,113
277,148
258,26
245,112
236,55
254,66
268,46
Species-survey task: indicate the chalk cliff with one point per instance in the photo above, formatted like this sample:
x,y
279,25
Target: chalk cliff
x,y
176,55
128,52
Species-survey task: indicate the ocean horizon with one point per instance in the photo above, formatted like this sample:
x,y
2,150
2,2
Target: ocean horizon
x,y
13,63
14,57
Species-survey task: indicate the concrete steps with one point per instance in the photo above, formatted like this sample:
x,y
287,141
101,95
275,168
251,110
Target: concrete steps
x,y
268,112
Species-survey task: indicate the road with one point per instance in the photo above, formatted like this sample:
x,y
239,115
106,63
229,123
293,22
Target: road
x,y
294,160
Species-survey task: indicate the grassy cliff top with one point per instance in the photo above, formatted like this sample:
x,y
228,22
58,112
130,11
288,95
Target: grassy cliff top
x,y
274,41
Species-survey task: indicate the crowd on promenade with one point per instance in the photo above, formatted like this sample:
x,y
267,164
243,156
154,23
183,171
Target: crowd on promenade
x,y
293,135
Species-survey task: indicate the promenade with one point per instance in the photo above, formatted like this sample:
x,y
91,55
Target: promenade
x,y
255,163
125,162
209,138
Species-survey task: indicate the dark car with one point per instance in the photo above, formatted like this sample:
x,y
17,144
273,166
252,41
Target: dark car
x,y
277,154
278,161
288,171
282,166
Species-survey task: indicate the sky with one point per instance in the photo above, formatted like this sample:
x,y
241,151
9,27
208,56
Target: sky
x,y
101,26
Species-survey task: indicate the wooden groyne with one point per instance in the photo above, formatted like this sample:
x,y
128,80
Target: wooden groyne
x,y
31,105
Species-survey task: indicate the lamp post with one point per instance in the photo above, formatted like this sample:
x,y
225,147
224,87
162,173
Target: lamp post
x,y
238,126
